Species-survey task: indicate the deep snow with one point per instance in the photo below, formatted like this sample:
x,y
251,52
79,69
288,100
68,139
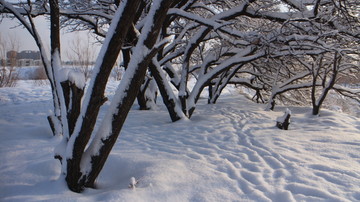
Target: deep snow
x,y
230,151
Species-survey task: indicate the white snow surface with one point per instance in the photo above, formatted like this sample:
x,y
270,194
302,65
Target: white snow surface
x,y
230,151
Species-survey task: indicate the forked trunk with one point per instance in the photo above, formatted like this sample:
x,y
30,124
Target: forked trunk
x,y
125,95
94,100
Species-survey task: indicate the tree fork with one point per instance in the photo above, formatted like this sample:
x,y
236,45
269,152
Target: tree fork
x,y
118,118
97,94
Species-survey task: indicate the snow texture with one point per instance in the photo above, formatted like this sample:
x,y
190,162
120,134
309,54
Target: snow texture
x,y
230,151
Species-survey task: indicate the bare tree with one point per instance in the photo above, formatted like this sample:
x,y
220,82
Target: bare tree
x,y
81,54
325,70
9,48
176,40
77,118
3,57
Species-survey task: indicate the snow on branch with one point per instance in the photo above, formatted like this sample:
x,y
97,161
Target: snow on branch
x,y
299,5
207,22
218,21
246,82
248,54
297,77
24,9
18,14
92,12
285,88
353,93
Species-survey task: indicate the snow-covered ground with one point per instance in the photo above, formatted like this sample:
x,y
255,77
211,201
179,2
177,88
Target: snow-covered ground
x,y
230,151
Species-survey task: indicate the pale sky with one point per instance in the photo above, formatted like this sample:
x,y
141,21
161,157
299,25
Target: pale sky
x,y
26,42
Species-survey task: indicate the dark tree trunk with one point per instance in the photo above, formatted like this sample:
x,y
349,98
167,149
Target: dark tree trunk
x,y
72,96
210,90
97,95
272,105
326,86
168,101
316,109
53,122
141,96
55,48
189,50
118,118
54,26
98,161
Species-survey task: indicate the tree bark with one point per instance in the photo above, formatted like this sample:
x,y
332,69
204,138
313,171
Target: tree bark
x,y
55,121
123,107
72,95
97,94
169,102
141,96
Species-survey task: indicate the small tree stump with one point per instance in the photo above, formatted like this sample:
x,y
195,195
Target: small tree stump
x,y
284,121
272,105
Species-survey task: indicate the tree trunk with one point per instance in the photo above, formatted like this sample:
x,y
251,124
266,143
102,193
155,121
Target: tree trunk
x,y
105,62
316,109
168,100
124,97
56,121
142,98
72,95
326,86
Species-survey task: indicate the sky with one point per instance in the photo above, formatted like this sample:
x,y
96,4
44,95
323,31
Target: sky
x,y
10,27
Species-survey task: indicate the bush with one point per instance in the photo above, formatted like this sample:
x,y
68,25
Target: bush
x,y
8,77
39,76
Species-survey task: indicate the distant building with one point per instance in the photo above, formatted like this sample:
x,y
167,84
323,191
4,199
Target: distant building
x,y
27,54
24,58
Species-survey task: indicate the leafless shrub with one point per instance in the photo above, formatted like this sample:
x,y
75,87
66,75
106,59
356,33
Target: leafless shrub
x,y
81,55
8,74
118,72
8,77
39,76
